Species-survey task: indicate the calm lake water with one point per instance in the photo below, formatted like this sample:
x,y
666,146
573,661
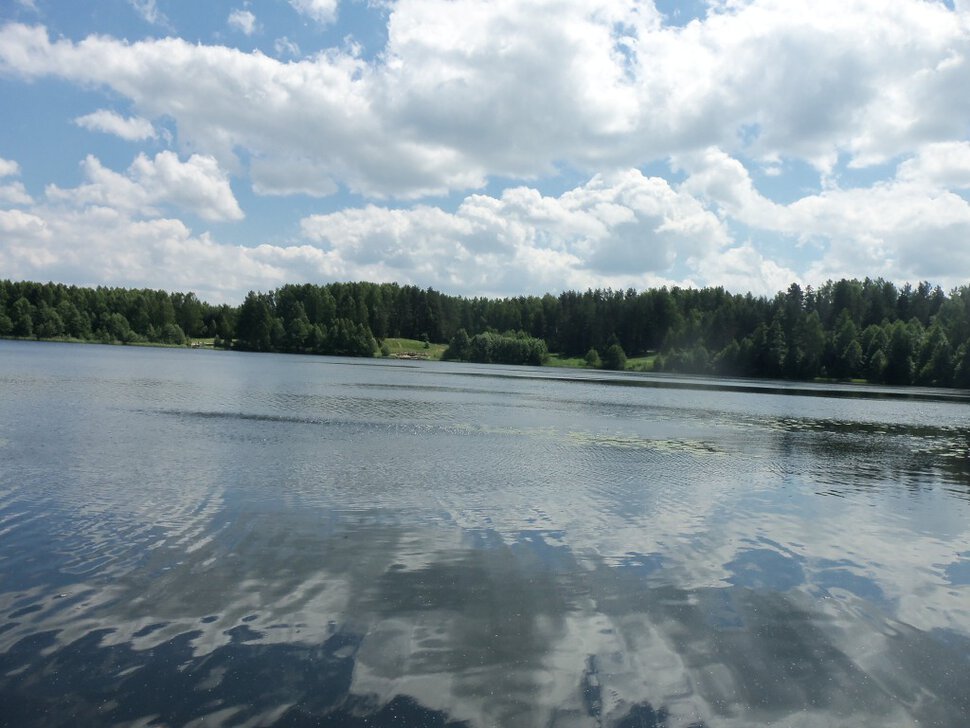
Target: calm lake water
x,y
248,539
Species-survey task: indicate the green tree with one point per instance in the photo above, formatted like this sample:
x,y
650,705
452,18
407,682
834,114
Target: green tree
x,y
936,361
845,344
876,368
49,324
810,344
298,328
172,334
116,328
459,347
728,361
254,328
188,313
317,341
874,340
961,369
348,338
899,356
592,359
22,317
614,358
851,360
76,323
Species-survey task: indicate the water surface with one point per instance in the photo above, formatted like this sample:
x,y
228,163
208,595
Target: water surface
x,y
240,539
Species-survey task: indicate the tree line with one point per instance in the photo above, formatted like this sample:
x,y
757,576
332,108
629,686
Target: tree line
x,y
849,329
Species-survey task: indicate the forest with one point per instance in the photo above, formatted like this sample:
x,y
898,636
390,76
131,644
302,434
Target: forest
x,y
870,329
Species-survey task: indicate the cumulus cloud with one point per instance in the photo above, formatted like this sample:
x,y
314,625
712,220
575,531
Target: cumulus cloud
x,y
286,47
894,229
8,168
289,176
909,227
465,90
91,237
622,229
197,185
110,230
149,11
243,21
945,165
14,194
133,128
744,268
17,222
321,11
98,245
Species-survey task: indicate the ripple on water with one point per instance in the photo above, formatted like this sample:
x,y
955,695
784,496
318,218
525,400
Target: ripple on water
x,y
284,540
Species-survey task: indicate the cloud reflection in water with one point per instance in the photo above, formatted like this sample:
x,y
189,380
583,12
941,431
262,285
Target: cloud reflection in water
x,y
297,547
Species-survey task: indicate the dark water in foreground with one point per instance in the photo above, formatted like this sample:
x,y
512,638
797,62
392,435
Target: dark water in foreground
x,y
193,537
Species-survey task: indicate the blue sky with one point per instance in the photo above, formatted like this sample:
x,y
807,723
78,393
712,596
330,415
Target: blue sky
x,y
495,148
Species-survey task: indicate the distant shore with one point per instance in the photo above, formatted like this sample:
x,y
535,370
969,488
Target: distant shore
x,y
399,349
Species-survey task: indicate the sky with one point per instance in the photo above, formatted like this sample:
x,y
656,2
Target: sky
x,y
484,147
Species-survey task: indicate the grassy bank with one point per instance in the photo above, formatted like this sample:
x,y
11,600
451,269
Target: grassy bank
x,y
414,348
396,348
571,362
189,343
633,364
640,363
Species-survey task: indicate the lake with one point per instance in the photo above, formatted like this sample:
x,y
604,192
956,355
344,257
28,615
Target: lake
x,y
213,538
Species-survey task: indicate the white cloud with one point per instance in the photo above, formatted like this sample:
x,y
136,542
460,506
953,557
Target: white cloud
x,y
895,229
724,181
197,185
243,21
8,168
94,245
73,237
110,230
286,47
14,194
466,90
620,230
745,269
132,129
149,11
321,11
289,176
945,165
17,222
907,228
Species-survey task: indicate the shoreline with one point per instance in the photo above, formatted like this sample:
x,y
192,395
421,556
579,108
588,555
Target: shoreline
x,y
635,365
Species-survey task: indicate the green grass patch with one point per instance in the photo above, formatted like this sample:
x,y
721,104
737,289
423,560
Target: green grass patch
x,y
634,364
573,362
208,343
203,343
414,347
640,363
830,380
